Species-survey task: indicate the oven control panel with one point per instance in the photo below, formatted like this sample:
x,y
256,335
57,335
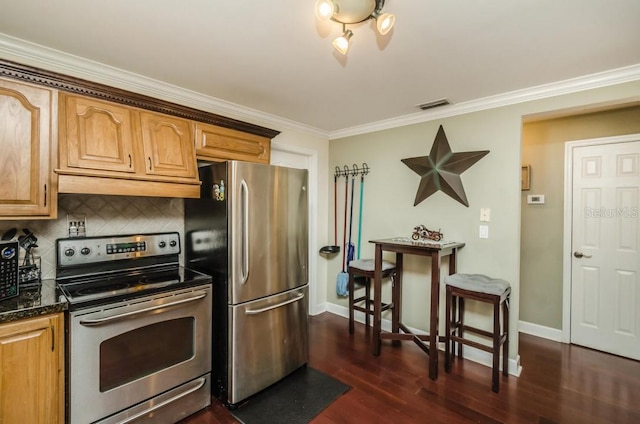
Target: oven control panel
x,y
90,250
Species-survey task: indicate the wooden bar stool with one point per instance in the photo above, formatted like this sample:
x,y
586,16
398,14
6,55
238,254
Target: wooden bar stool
x,y
361,273
483,289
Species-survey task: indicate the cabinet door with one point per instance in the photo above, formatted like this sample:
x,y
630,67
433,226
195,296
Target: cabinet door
x,y
30,371
168,146
218,143
96,135
25,161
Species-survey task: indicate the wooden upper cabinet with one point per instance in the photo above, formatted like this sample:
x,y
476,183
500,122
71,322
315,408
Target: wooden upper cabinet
x,y
61,134
168,146
98,135
218,143
28,185
109,148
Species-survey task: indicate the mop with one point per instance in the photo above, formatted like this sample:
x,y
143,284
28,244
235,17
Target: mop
x,y
342,281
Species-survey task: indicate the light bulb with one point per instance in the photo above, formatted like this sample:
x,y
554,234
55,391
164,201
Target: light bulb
x,y
325,9
342,43
385,22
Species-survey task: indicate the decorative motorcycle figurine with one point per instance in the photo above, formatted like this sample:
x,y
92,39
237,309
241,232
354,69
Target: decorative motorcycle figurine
x,y
422,232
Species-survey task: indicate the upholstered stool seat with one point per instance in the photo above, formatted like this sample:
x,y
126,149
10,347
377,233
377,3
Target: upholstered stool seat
x,y
483,289
361,273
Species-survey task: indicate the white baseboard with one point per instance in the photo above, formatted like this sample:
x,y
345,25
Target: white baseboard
x,y
540,331
318,309
470,353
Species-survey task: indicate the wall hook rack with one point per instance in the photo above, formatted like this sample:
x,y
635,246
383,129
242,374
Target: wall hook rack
x,y
354,170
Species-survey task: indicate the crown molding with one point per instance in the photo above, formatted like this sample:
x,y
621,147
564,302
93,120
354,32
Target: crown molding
x,y
31,54
588,82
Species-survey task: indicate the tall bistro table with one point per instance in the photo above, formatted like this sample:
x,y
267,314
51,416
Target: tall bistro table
x,y
401,246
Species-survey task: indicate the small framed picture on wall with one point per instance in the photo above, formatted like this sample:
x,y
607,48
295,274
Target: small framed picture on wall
x,y
526,177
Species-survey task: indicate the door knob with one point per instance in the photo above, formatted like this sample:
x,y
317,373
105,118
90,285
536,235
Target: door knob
x,y
580,255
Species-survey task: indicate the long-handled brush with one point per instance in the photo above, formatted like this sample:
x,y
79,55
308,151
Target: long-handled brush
x,y
342,281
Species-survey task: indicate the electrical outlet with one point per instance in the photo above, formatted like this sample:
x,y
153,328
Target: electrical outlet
x,y
485,215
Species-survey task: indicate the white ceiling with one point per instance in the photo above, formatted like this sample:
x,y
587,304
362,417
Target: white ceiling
x,y
276,58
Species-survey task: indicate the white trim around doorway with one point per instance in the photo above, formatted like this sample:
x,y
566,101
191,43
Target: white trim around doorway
x,y
314,307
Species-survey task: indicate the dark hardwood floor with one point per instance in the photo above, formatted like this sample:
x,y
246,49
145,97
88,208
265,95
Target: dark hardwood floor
x,y
559,384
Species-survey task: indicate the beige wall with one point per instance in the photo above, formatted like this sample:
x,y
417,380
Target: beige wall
x,y
542,225
493,182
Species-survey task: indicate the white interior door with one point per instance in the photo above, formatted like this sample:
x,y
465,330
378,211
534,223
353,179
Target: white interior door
x,y
294,157
605,247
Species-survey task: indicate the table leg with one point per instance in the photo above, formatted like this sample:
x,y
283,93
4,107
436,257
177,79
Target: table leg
x,y
452,262
433,321
377,301
396,298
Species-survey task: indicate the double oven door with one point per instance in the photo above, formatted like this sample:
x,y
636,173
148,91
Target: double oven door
x,y
123,356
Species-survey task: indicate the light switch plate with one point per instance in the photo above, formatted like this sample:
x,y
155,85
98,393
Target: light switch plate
x,y
484,231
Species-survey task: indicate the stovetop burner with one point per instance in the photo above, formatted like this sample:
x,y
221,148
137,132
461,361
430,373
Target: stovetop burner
x,y
100,289
117,268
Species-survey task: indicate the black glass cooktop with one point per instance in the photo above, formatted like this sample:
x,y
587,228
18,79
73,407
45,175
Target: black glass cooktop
x,y
100,289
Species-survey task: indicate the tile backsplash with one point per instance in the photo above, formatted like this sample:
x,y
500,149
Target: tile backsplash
x,y
105,215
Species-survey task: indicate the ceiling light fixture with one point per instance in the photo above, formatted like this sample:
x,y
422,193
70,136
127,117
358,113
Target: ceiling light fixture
x,y
349,12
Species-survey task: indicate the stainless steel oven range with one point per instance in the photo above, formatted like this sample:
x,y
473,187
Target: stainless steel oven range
x,y
139,330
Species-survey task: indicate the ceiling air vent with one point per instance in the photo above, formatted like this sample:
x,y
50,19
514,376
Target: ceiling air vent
x,y
435,103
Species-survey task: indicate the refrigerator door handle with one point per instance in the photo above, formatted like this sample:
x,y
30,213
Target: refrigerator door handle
x,y
244,191
268,308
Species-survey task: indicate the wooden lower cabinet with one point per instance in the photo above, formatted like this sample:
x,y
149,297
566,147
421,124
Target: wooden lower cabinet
x,y
32,370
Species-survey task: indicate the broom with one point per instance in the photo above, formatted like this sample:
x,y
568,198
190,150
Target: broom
x,y
342,281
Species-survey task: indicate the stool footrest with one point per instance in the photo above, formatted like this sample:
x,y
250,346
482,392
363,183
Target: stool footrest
x,y
370,311
475,330
472,343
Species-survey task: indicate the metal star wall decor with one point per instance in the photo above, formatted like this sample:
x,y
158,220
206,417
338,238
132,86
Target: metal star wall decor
x,y
441,169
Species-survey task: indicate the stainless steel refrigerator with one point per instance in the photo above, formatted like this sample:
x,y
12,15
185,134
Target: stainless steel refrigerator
x,y
249,231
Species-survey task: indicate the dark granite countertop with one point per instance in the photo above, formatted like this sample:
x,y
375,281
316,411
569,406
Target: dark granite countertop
x,y
33,301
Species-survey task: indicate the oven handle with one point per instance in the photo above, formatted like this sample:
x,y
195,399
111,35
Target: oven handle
x,y
200,382
268,308
106,320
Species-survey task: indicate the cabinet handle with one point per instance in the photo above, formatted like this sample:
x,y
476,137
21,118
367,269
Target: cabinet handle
x,y
53,339
150,169
130,164
45,195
